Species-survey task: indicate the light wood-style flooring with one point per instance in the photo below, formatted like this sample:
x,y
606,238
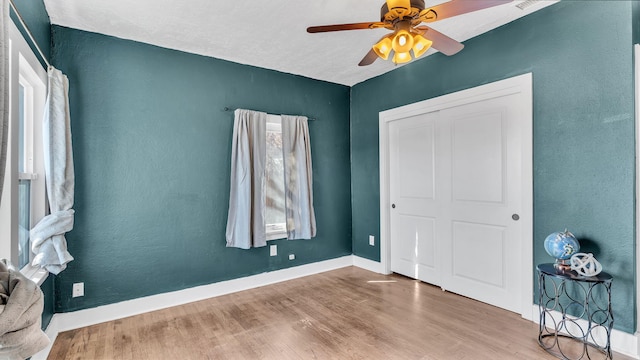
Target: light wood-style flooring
x,y
348,313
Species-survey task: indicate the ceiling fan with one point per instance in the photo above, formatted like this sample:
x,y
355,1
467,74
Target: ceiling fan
x,y
404,18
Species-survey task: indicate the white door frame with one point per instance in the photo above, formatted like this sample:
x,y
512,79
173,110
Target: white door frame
x,y
636,49
516,85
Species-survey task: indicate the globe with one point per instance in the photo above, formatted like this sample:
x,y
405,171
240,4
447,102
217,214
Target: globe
x,y
561,245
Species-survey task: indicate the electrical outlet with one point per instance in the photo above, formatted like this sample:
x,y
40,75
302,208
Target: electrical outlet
x,y
78,289
372,240
273,250
292,256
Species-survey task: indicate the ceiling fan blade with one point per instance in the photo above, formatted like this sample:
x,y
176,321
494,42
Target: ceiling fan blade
x,y
457,7
441,42
368,59
340,27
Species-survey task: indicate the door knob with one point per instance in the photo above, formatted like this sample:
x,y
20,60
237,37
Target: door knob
x,y
393,206
515,217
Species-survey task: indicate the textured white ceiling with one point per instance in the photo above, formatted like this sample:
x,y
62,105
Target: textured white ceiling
x,y
269,34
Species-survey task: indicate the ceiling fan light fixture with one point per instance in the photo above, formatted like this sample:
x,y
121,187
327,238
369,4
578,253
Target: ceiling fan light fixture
x,y
404,17
420,45
401,57
402,42
383,48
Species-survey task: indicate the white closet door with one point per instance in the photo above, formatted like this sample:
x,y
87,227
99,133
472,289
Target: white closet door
x,y
482,245
413,190
456,185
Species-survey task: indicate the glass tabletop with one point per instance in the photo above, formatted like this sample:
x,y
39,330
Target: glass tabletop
x,y
550,269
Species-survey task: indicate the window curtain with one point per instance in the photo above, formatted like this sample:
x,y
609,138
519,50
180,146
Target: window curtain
x,y
246,223
4,87
21,304
298,178
47,237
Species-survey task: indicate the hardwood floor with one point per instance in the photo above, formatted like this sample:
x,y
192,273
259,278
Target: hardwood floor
x,y
348,313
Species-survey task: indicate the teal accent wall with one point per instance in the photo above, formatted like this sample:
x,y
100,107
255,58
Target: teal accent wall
x,y
35,16
583,131
152,148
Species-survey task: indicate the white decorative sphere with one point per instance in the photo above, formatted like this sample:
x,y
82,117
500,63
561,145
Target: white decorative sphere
x,y
585,264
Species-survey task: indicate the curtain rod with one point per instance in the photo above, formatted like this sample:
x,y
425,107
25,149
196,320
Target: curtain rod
x,y
234,109
26,28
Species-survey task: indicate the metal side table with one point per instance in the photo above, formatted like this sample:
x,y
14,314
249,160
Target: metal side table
x,y
575,314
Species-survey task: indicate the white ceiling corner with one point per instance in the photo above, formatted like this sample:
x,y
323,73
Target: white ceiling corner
x,y
268,34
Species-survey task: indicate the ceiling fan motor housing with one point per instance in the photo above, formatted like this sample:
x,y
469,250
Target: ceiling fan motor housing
x,y
392,16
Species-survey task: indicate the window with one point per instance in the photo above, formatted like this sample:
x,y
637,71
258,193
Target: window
x,y
275,216
23,200
257,197
29,211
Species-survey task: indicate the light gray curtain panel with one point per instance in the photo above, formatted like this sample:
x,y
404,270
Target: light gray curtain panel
x,y
246,220
245,223
298,178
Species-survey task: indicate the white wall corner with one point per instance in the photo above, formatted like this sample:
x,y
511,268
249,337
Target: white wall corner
x,y
625,343
367,264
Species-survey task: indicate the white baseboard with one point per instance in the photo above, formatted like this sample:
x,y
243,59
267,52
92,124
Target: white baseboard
x,y
621,342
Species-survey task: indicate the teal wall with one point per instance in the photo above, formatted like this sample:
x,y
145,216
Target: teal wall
x,y
49,300
583,131
35,16
152,149
37,19
636,22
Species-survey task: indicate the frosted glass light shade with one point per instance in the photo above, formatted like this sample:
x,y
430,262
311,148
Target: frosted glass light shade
x,y
401,57
383,48
402,42
420,45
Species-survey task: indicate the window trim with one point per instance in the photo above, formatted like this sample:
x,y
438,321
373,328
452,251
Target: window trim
x,y
24,68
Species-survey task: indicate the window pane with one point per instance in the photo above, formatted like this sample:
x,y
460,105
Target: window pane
x,y
275,211
24,211
21,141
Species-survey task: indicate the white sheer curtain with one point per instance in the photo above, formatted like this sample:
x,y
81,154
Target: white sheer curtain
x,y
4,87
47,237
246,223
298,178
